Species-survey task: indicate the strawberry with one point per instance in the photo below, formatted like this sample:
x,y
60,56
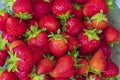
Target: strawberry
x,y
89,41
64,67
111,35
23,9
62,7
3,17
91,8
112,69
81,1
58,44
3,57
92,76
74,26
45,65
83,69
15,27
41,8
61,79
98,61
99,21
5,75
37,37
21,58
50,23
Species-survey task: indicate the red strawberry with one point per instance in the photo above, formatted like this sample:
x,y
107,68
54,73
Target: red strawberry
x,y
23,8
83,69
92,76
58,44
112,69
111,35
99,21
15,27
5,75
41,8
89,41
64,67
74,26
45,65
91,7
98,61
3,17
3,57
50,23
21,58
62,7
81,1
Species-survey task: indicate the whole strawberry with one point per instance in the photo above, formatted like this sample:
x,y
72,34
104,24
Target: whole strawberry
x,y
50,23
91,7
15,27
89,41
3,57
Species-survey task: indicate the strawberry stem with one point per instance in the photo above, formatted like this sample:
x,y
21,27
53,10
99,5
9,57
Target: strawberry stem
x,y
111,4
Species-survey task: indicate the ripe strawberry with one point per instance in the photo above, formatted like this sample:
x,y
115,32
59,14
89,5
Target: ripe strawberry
x,y
92,76
62,7
81,1
83,69
112,69
3,17
89,41
23,9
5,75
21,58
58,44
3,57
64,67
74,26
98,61
111,35
15,27
91,7
38,37
45,65
50,23
41,8
99,21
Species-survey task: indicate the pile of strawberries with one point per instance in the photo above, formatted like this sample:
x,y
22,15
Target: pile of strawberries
x,y
57,40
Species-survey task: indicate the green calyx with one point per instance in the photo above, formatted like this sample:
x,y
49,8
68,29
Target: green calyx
x,y
113,78
57,36
1,70
63,19
49,57
110,4
12,61
3,42
2,12
114,43
47,0
24,16
92,34
76,6
34,30
99,17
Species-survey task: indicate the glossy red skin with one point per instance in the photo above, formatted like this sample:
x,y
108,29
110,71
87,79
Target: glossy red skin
x,y
58,47
50,23
14,27
111,35
3,57
87,47
64,67
24,75
37,52
41,8
81,1
45,66
23,6
26,57
78,12
97,77
61,7
41,40
74,26
8,76
112,69
3,21
92,7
